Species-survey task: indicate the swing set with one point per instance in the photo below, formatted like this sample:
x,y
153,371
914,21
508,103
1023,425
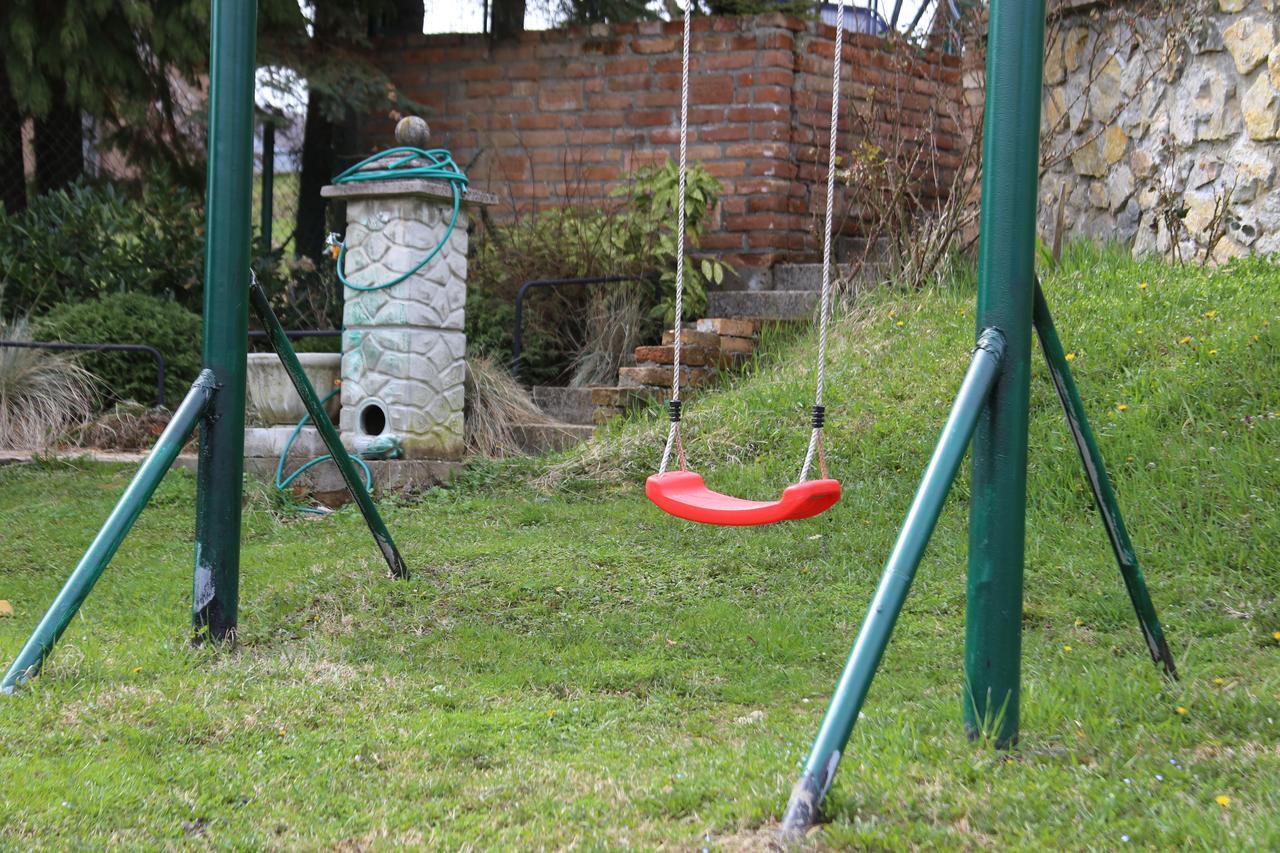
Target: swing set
x,y
990,410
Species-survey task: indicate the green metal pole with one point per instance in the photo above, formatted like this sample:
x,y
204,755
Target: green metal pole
x,y
1104,496
280,343
229,201
1006,279
899,570
117,527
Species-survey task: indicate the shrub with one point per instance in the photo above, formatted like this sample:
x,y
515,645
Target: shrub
x,y
131,318
634,237
42,394
88,241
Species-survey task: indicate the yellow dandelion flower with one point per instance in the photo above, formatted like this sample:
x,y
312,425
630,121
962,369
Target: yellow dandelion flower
x,y
1181,711
1066,648
1185,340
1071,356
1211,314
1079,623
1222,800
137,669
1142,286
1219,681
900,324
1275,635
1122,408
1213,352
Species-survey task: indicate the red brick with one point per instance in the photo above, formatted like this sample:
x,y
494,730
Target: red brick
x,y
654,45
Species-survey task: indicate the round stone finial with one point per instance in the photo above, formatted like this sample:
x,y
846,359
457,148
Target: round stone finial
x,y
413,132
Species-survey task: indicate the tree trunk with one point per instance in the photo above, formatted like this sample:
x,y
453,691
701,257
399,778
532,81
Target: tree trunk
x,y
13,179
59,145
317,170
318,140
507,18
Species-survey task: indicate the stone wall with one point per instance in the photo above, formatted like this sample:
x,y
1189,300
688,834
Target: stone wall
x,y
1163,130
562,116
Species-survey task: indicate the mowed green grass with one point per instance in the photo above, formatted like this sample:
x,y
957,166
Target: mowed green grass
x,y
568,667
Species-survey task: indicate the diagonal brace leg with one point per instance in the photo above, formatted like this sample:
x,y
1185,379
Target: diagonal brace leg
x,y
117,526
1105,497
895,582
280,343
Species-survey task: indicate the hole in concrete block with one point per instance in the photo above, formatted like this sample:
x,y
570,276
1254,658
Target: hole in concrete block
x,y
373,419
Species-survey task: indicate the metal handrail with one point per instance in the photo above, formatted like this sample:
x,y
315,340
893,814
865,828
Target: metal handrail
x,y
517,336
61,345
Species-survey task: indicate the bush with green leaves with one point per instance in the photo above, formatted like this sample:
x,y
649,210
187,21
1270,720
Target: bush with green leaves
x,y
87,241
634,238
130,318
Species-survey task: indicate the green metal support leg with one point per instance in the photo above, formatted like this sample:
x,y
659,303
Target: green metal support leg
x,y
280,343
220,479
1105,497
1006,279
899,570
117,527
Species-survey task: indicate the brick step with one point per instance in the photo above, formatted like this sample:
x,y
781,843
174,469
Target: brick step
x,y
737,327
692,338
657,376
549,438
689,355
763,304
566,405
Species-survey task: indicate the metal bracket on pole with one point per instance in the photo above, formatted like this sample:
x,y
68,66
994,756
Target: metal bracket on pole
x,y
1103,494
279,341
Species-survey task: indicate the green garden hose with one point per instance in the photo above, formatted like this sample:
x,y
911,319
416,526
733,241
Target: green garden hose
x,y
283,482
440,166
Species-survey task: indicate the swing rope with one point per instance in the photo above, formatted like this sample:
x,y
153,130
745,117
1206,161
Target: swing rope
x,y
673,432
824,310
817,422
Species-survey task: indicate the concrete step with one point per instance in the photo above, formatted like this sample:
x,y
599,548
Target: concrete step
x,y
567,405
809,276
763,304
549,438
849,249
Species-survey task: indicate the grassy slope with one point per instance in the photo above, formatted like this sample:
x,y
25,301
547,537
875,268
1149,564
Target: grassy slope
x,y
568,666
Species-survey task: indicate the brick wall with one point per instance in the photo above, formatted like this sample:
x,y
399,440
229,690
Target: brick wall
x,y
562,116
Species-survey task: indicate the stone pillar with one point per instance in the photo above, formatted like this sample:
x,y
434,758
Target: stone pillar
x,y
403,346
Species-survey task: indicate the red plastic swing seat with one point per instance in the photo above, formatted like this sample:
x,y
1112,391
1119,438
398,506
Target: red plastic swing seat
x,y
684,495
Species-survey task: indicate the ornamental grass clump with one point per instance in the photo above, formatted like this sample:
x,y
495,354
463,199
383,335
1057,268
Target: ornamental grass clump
x,y
496,408
43,395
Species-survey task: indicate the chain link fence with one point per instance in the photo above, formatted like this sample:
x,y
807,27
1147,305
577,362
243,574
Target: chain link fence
x,y
277,164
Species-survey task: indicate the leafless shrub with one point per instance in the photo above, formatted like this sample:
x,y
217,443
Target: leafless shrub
x,y
913,184
616,324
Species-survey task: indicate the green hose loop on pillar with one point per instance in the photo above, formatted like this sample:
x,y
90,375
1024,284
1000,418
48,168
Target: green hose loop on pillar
x,y
439,166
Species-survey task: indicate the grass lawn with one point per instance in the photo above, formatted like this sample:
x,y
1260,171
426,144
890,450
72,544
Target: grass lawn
x,y
568,667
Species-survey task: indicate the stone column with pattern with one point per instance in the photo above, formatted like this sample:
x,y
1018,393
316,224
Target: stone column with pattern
x,y
403,346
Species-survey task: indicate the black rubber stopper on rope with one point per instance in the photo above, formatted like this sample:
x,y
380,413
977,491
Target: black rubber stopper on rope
x,y
674,407
819,416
